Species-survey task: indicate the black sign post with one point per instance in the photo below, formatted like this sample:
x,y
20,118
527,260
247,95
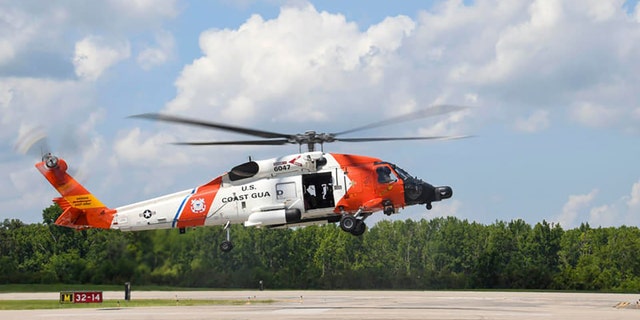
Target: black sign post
x,y
127,291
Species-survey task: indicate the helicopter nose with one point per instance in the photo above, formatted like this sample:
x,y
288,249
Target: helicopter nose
x,y
444,192
433,194
417,191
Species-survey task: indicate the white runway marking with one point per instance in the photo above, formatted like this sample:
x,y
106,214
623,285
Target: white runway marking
x,y
302,311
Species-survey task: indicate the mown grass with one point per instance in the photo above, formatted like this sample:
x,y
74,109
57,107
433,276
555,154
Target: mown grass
x,y
112,304
13,288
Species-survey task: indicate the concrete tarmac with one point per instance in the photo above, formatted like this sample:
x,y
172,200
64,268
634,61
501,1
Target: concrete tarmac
x,y
334,305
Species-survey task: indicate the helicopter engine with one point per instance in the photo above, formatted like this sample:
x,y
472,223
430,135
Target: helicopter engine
x,y
303,163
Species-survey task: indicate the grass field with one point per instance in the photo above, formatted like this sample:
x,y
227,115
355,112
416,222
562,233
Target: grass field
x,y
88,287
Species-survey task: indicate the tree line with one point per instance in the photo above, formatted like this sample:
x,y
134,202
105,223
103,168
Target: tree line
x,y
441,253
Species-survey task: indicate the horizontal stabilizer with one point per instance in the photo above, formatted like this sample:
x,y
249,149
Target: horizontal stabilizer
x,y
69,218
62,203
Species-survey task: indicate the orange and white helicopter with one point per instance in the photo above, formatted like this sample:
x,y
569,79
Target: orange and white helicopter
x,y
301,189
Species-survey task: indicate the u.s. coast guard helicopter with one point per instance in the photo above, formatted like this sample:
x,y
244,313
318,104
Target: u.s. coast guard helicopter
x,y
306,188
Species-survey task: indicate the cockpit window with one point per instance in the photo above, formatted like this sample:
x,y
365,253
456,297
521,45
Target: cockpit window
x,y
403,174
385,175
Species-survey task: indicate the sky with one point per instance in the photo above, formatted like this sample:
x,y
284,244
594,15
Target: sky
x,y
551,86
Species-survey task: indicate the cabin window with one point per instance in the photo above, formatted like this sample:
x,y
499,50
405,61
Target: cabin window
x,y
285,191
385,175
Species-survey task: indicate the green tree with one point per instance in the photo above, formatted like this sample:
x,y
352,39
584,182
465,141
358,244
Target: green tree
x,y
543,255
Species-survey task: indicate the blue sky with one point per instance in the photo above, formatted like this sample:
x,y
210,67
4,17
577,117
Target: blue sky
x,y
551,86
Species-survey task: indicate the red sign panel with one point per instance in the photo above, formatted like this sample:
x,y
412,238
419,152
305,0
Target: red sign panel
x,y
87,297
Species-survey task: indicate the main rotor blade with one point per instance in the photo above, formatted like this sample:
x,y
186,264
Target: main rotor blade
x,y
424,113
210,125
239,143
400,138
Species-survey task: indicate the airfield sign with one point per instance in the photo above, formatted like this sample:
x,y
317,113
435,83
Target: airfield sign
x,y
81,297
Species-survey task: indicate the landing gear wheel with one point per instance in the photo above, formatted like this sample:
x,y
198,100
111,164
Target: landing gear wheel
x,y
359,229
348,223
388,207
226,246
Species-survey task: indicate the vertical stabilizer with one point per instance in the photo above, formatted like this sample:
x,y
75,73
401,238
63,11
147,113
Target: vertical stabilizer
x,y
82,209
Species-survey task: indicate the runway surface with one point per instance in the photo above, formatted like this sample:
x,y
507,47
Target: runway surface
x,y
353,305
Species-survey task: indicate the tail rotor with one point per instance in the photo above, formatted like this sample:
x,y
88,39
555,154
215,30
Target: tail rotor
x,y
33,142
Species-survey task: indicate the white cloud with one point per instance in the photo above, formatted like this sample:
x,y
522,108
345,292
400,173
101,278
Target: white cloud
x,y
602,216
595,115
6,95
302,62
601,11
525,58
634,198
140,149
39,42
449,126
636,113
138,155
16,29
132,147
622,211
34,101
537,121
146,9
471,98
31,30
449,208
85,144
519,42
94,55
573,207
24,189
158,55
538,54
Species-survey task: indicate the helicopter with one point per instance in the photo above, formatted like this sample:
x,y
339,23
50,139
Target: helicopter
x,y
306,188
